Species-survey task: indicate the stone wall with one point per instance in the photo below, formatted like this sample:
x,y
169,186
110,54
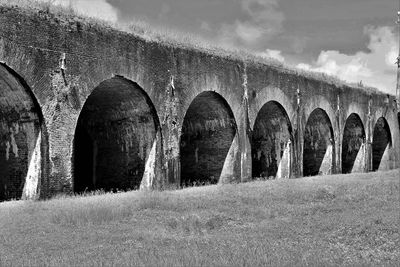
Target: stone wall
x,y
62,61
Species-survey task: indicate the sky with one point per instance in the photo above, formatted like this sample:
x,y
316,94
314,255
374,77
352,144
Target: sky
x,y
355,40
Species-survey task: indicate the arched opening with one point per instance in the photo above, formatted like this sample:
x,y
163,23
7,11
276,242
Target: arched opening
x,y
208,130
115,132
381,141
271,142
398,119
318,150
353,142
20,125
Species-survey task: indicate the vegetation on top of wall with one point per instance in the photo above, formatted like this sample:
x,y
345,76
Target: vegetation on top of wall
x,y
170,37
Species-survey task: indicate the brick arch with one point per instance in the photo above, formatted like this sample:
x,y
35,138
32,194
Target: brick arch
x,y
22,138
320,102
187,96
116,135
381,142
355,108
90,80
271,143
353,144
207,135
270,94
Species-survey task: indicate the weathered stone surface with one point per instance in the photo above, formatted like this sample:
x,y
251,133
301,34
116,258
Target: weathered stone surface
x,y
52,68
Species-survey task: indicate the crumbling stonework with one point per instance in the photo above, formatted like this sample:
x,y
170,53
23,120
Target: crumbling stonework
x,y
84,106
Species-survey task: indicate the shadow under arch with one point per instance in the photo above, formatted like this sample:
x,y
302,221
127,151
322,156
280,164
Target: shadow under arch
x,y
381,141
318,146
271,142
398,119
353,145
115,135
23,139
208,131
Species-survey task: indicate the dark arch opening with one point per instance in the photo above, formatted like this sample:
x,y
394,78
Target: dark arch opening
x,y
353,139
207,133
271,142
381,140
20,129
398,119
113,138
318,151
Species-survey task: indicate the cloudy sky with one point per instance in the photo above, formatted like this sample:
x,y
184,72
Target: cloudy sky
x,y
355,40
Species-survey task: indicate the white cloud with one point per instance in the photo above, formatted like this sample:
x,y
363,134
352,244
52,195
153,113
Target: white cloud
x,y
92,8
205,26
263,11
270,53
264,20
248,32
165,9
375,68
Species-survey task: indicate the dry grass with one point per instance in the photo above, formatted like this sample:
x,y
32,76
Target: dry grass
x,y
176,38
45,5
332,220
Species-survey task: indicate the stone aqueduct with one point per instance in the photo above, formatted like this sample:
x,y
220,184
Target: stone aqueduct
x,y
84,107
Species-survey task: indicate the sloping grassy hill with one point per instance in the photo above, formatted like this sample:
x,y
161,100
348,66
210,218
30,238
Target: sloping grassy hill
x,y
331,220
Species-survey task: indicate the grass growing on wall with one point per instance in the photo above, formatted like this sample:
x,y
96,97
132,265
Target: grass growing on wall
x,y
45,5
330,220
171,37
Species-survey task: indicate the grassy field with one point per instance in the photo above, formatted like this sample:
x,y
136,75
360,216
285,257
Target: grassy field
x,y
325,220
